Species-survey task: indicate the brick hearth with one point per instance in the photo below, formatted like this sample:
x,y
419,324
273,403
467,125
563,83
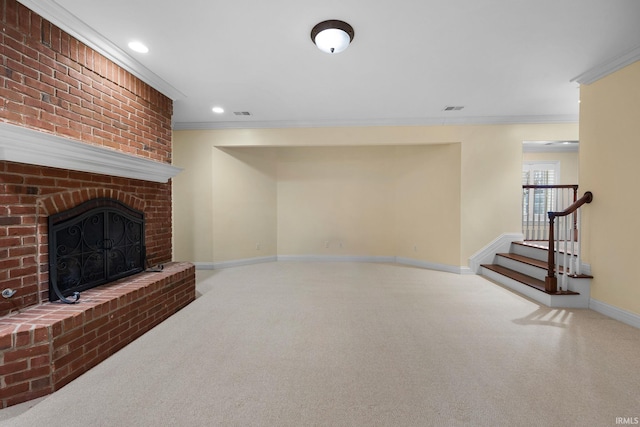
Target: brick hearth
x,y
44,347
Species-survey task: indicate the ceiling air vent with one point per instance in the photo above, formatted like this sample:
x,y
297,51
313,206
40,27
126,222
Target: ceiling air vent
x,y
453,108
242,113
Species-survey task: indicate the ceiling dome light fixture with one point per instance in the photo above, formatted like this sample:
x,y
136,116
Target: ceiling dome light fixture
x,y
332,36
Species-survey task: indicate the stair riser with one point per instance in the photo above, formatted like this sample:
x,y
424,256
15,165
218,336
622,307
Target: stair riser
x,y
555,301
529,270
582,285
531,252
576,285
522,289
537,253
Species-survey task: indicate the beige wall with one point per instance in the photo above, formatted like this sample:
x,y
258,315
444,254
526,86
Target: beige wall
x,y
609,154
432,193
371,201
224,201
568,164
192,197
336,200
428,202
243,216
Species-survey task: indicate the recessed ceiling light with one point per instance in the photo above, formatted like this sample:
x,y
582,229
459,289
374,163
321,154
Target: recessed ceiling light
x,y
138,47
218,110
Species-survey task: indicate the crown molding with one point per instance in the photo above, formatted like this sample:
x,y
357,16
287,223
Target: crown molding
x,y
612,65
24,145
551,148
62,18
429,121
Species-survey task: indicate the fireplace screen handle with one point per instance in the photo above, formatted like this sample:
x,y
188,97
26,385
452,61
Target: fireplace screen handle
x,y
76,296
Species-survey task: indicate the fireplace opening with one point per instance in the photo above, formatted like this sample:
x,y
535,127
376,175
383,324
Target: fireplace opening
x,y
97,242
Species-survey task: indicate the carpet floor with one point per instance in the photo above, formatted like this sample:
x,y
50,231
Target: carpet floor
x,y
357,344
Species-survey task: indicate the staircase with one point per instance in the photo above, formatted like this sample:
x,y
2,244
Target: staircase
x,y
523,270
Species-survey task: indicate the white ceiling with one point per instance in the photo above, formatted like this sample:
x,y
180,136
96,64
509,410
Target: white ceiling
x,y
505,61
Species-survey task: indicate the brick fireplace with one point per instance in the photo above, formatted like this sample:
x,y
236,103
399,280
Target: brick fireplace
x,y
31,193
75,127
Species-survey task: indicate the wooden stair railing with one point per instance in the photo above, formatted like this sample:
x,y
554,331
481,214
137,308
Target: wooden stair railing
x,y
551,280
534,225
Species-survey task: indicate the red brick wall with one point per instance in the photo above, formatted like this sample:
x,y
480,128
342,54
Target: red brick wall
x,y
51,82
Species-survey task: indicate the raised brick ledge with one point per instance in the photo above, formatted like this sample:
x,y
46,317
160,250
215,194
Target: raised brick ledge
x,y
44,347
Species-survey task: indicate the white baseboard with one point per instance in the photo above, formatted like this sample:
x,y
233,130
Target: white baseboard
x,y
487,254
335,258
624,316
434,266
388,259
233,263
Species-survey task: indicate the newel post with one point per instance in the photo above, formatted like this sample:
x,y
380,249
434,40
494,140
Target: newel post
x,y
551,281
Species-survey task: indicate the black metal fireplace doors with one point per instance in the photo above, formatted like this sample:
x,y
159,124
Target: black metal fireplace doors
x,y
99,241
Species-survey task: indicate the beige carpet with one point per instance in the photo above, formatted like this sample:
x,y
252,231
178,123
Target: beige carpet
x,y
356,344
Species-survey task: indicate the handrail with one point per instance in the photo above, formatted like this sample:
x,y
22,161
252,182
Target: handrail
x,y
587,198
551,281
574,186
